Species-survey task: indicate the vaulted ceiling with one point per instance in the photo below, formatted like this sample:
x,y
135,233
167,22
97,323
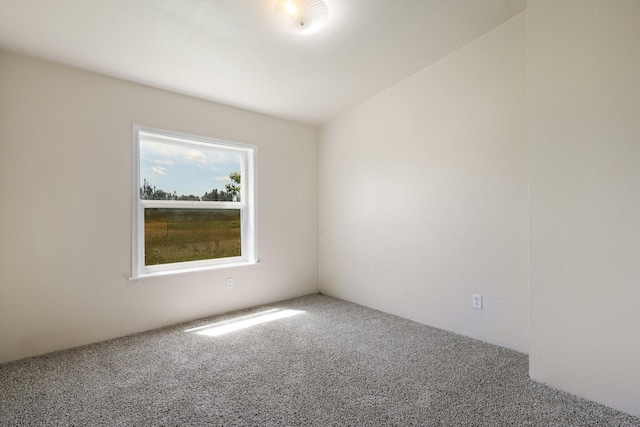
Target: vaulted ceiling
x,y
232,52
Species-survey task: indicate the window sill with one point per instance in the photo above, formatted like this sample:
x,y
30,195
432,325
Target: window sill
x,y
191,270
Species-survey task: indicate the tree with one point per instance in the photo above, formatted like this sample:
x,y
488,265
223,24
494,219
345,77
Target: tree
x,y
233,188
146,191
149,192
213,196
217,196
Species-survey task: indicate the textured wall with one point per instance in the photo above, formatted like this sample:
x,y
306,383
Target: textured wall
x,y
423,194
65,216
584,146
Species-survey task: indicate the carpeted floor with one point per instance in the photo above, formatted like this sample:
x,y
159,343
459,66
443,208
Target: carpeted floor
x,y
310,361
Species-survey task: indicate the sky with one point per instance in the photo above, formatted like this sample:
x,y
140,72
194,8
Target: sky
x,y
187,170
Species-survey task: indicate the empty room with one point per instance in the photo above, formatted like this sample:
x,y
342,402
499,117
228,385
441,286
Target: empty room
x,y
320,212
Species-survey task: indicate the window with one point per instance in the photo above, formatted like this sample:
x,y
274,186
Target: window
x,y
193,203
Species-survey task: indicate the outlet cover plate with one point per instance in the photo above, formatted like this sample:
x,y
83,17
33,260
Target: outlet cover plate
x,y
477,301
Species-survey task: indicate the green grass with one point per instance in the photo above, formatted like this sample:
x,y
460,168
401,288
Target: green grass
x,y
179,235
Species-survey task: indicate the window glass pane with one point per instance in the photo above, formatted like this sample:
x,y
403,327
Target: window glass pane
x,y
188,172
178,235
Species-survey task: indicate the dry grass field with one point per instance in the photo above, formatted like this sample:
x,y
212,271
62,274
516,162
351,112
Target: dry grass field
x,y
178,235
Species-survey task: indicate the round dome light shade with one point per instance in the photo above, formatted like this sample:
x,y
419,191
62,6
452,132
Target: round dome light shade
x,y
302,16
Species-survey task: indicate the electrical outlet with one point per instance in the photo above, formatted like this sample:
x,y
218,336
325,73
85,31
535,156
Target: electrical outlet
x,y
477,301
229,283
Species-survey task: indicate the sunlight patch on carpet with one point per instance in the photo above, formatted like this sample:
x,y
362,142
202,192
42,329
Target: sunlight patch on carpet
x,y
243,322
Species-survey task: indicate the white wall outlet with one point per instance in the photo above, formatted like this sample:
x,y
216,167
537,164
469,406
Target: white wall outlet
x,y
477,301
229,283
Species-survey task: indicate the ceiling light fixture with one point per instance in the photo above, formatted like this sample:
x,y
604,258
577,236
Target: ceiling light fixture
x,y
302,16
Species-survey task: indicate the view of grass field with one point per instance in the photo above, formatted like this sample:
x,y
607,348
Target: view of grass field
x,y
179,235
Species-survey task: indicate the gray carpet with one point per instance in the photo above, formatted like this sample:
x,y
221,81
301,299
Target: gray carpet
x,y
334,364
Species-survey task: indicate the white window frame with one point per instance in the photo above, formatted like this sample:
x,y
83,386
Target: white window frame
x,y
246,205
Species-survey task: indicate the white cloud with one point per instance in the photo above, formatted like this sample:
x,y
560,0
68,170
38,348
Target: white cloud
x,y
159,170
195,156
222,178
169,154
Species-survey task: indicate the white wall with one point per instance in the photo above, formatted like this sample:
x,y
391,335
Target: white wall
x,y
584,145
65,215
423,194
